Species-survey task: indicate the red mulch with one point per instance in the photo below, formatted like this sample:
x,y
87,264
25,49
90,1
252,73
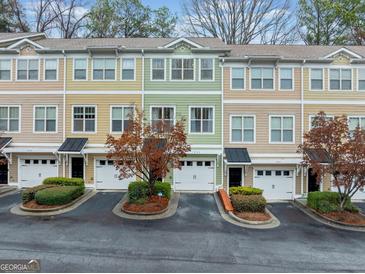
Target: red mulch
x,y
153,204
346,217
33,204
253,216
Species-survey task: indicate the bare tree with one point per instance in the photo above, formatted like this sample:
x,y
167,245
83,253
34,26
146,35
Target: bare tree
x,y
240,21
44,15
18,15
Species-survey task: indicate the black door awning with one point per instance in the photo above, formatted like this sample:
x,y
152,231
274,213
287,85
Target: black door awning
x,y
73,145
318,155
237,155
4,141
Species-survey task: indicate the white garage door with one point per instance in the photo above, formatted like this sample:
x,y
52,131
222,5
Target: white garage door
x,y
194,176
359,195
107,176
277,184
32,171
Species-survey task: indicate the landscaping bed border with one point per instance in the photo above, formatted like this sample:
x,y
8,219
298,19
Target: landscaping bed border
x,y
8,190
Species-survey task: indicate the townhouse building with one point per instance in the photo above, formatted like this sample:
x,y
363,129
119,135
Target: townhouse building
x,y
245,107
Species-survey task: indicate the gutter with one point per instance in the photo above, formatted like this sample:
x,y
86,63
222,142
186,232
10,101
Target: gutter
x,y
302,119
64,109
143,84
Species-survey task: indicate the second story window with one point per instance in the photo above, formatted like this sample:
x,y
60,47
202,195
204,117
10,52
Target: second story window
x,y
286,78
182,69
158,69
262,78
162,117
9,119
201,119
313,120
50,69
281,129
128,69
84,118
45,118
80,69
121,118
316,79
340,79
104,69
206,69
242,129
27,69
361,82
238,78
5,70
356,122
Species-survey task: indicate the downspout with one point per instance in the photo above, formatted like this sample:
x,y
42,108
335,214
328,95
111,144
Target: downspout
x,y
302,121
142,80
222,120
64,110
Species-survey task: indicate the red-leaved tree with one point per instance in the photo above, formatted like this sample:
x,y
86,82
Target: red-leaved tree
x,y
340,153
148,152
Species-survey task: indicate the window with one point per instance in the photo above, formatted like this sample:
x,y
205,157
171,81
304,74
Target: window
x,y
206,69
27,69
162,118
238,78
260,173
182,69
281,129
5,70
158,69
128,69
80,69
316,79
267,172
243,129
340,79
84,118
45,119
355,122
286,78
262,78
104,69
50,69
201,120
313,120
121,118
9,119
361,75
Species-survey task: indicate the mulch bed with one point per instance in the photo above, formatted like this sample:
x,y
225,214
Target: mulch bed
x,y
253,216
346,217
34,205
153,204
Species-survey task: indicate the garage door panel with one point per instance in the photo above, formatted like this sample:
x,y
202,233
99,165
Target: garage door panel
x,y
276,184
32,171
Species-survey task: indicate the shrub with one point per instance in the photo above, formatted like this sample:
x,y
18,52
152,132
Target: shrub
x,y
245,190
248,203
326,202
164,188
61,181
28,194
58,195
137,190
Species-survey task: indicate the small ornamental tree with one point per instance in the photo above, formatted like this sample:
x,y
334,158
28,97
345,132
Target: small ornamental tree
x,y
344,151
148,152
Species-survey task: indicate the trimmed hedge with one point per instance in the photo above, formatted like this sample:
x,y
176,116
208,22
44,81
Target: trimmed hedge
x,y
28,194
58,195
326,202
245,190
164,188
61,181
137,190
248,203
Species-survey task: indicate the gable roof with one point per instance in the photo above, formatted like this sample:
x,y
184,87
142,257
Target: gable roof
x,y
25,41
13,36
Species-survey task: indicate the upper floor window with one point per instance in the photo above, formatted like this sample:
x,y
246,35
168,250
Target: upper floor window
x,y
27,69
340,79
262,78
121,118
316,79
45,118
84,118
286,78
356,122
238,78
50,69
361,75
9,118
104,69
182,69
201,119
128,69
5,69
206,69
281,129
162,118
314,118
158,69
242,129
80,69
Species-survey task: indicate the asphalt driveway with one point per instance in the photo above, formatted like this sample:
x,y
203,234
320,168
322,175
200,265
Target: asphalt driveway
x,y
196,239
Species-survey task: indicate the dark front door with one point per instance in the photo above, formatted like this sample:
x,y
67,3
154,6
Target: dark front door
x,y
3,172
313,185
235,176
77,167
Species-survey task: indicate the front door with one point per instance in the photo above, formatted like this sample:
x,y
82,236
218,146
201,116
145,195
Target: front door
x,y
3,172
313,185
235,176
77,167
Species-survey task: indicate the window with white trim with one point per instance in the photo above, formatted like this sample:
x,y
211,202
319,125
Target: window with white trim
x,y
286,78
28,69
104,69
9,118
122,116
206,69
80,69
340,79
356,122
238,78
5,69
242,129
50,69
314,118
128,65
162,118
182,69
316,79
84,118
158,69
201,120
281,129
262,78
361,81
45,118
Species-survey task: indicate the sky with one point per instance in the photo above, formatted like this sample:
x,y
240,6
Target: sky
x,y
173,5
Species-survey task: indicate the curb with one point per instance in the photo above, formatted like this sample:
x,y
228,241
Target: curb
x,y
10,192
231,214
